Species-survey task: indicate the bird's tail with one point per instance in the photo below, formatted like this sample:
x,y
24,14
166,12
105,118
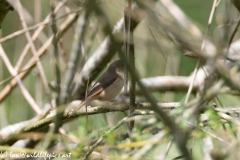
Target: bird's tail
x,y
77,108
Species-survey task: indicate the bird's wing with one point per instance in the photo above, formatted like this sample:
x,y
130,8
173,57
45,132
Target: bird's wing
x,y
103,82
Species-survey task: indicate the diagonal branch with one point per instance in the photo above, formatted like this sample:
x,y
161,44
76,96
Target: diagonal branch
x,y
25,92
32,62
34,51
8,134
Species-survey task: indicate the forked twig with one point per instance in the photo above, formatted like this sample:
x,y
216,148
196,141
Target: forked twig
x,y
34,51
25,92
30,64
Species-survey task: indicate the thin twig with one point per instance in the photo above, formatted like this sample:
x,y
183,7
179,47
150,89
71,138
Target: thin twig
x,y
131,56
25,92
74,56
104,136
31,63
57,70
34,51
43,23
38,84
154,140
126,45
232,36
192,82
167,120
202,49
210,134
56,55
169,145
35,35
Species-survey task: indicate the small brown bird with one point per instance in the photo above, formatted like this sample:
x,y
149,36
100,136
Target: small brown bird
x,y
108,86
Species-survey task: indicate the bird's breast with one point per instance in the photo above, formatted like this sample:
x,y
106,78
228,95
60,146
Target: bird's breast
x,y
113,90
